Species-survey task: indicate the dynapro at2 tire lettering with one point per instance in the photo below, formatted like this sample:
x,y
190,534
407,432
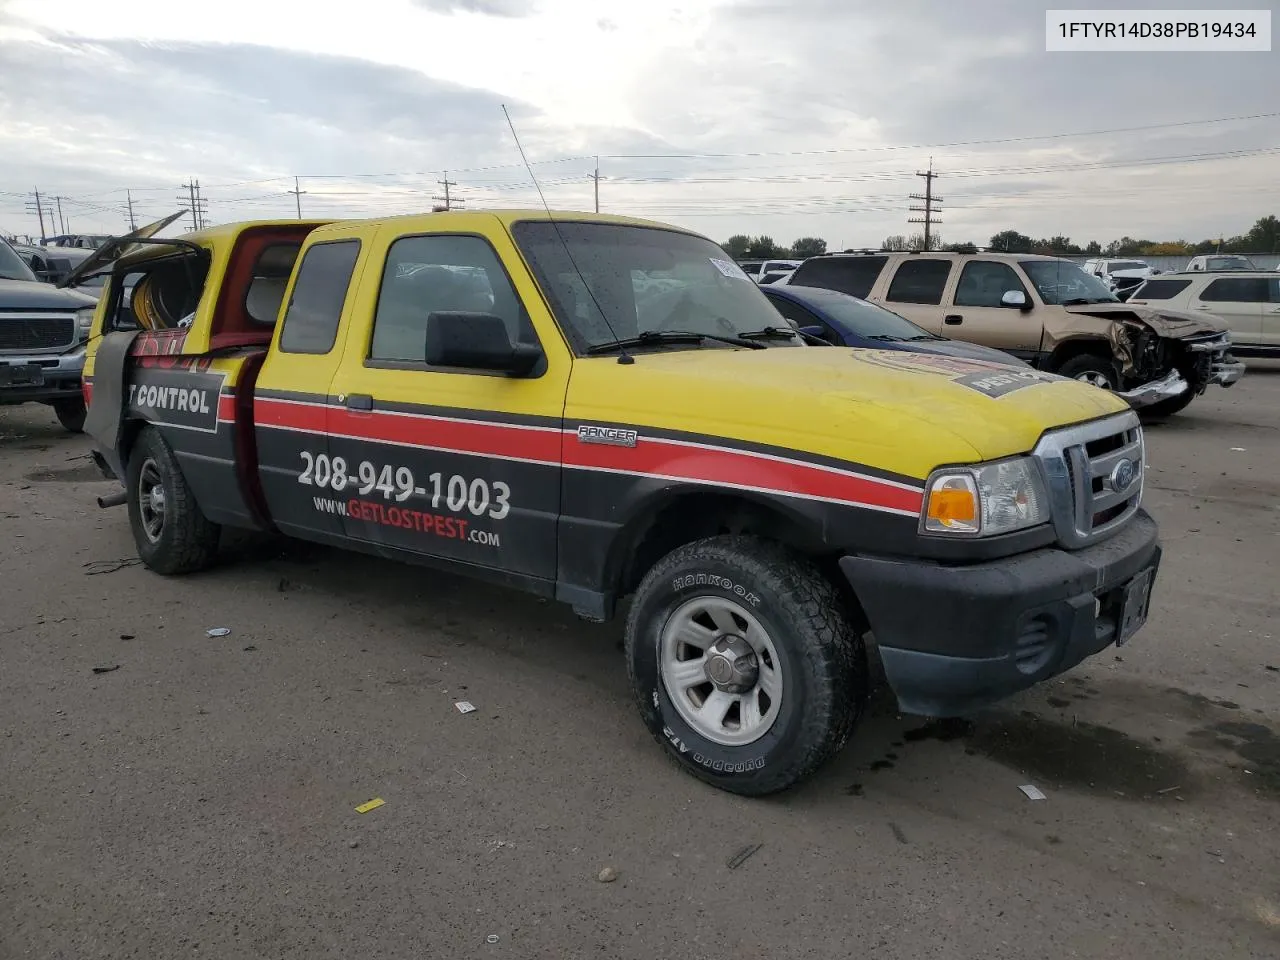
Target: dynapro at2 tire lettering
x,y
819,653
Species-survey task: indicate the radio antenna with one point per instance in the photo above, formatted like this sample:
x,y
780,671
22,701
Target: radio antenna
x,y
623,356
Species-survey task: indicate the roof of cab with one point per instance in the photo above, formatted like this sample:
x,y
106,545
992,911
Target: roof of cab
x,y
506,217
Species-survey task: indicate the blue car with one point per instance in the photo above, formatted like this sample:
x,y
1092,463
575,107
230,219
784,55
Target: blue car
x,y
842,320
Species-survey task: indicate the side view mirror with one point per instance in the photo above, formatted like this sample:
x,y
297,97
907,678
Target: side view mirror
x,y
815,333
477,341
1015,298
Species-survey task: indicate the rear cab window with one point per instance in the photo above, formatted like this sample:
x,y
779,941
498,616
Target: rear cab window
x,y
315,309
854,275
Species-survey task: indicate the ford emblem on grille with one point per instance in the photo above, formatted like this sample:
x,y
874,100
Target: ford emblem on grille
x,y
1122,475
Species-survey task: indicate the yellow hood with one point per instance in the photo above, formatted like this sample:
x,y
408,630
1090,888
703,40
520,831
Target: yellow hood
x,y
907,413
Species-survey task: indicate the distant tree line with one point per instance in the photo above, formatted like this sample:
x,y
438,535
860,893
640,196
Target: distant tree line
x,y
743,247
1263,237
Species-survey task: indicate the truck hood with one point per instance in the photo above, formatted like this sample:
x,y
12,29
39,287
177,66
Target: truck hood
x,y
33,295
906,413
1175,324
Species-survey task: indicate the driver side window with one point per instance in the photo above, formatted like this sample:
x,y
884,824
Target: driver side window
x,y
984,282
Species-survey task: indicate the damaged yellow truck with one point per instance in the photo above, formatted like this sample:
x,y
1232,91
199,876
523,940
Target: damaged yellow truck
x,y
593,408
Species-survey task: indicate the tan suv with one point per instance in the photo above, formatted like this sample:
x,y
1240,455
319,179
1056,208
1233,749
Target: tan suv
x,y
1046,311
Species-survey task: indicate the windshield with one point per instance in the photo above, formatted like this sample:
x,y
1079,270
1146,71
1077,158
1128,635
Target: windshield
x,y
1231,263
866,319
1061,281
644,279
12,266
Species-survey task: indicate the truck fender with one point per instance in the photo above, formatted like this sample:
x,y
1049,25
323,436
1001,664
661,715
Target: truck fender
x,y
107,414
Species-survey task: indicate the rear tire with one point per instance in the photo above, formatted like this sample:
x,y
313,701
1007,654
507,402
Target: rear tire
x,y
1092,369
778,628
171,533
71,413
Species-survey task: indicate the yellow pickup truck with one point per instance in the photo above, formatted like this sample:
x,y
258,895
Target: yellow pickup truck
x,y
595,408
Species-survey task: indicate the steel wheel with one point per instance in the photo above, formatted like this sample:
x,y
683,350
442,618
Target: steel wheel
x,y
151,500
721,670
1095,379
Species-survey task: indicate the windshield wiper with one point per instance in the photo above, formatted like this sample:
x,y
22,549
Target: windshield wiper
x,y
887,337
651,338
924,336
771,333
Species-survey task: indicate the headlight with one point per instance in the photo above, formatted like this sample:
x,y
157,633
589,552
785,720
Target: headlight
x,y
84,319
985,500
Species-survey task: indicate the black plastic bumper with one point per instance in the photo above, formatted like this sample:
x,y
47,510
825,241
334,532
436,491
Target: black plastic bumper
x,y
956,638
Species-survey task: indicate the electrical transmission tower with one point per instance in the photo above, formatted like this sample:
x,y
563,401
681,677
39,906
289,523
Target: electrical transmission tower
x,y
195,203
930,205
447,202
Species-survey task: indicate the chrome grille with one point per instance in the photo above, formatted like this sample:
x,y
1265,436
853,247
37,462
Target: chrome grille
x,y
1085,472
36,331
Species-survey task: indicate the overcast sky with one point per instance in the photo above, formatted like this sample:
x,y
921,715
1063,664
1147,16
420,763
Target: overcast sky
x,y
785,117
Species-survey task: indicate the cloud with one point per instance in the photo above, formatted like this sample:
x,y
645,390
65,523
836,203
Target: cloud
x,y
806,117
492,8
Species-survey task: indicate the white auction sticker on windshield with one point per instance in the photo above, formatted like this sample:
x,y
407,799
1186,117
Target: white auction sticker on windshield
x,y
729,269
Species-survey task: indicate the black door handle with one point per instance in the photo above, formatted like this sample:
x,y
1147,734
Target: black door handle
x,y
359,401
953,319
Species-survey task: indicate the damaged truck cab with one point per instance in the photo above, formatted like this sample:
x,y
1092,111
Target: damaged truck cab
x,y
592,408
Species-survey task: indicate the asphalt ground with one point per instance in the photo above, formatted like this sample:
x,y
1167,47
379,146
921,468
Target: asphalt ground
x,y
198,797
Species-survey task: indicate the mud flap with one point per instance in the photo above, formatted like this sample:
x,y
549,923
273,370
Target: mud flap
x,y
105,419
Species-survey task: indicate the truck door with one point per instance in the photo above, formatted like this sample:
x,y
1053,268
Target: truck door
x,y
454,463
291,404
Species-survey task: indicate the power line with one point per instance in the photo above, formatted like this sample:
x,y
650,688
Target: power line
x,y
936,146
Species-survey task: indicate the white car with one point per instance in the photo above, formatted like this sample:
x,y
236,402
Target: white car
x,y
1248,301
1122,277
757,270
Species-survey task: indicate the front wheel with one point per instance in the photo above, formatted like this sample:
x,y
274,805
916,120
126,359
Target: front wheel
x,y
70,412
1091,369
745,664
171,533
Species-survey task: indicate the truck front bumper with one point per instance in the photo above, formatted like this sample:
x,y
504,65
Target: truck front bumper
x,y
956,638
40,377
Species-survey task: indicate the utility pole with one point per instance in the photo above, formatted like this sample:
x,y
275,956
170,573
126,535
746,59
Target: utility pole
x,y
37,207
133,224
194,202
596,177
62,223
447,200
297,192
929,204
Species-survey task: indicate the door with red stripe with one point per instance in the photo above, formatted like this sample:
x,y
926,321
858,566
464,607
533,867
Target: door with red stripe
x,y
451,462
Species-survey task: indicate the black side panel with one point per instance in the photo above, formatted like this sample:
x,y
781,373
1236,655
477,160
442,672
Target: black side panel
x,y
106,415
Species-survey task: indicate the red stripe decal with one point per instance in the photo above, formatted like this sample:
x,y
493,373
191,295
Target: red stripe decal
x,y
649,456
740,469
465,436
227,407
